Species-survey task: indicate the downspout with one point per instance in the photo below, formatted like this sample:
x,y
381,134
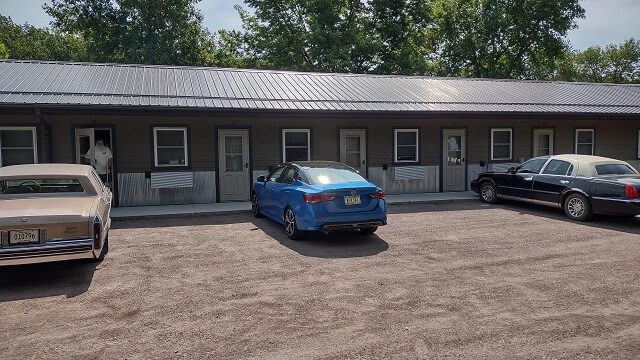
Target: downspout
x,y
46,137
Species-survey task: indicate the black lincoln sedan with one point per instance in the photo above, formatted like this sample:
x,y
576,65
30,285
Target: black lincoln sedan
x,y
581,184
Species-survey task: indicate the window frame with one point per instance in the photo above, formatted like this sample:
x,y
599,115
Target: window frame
x,y
34,137
186,137
395,145
284,142
593,140
638,144
491,143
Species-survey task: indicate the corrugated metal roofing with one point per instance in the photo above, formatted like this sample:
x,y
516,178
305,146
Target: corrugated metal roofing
x,y
43,83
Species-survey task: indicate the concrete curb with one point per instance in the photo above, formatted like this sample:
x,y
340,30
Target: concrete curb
x,y
195,213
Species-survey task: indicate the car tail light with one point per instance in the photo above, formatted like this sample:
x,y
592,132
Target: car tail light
x,y
314,199
631,192
379,195
96,234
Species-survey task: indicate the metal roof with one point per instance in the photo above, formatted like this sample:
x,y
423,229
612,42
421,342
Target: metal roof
x,y
45,83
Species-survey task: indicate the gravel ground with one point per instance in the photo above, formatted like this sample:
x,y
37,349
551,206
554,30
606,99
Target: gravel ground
x,y
442,280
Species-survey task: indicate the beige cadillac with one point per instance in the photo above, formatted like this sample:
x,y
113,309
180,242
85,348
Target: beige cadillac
x,y
52,212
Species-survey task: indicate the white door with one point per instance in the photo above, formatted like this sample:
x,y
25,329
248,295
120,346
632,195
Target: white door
x,y
542,142
233,150
84,143
454,152
353,149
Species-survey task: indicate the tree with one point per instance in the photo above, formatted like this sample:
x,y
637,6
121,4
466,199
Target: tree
x,y
309,35
28,42
404,41
136,31
501,38
4,53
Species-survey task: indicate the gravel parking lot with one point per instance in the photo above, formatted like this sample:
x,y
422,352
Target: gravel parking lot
x,y
442,280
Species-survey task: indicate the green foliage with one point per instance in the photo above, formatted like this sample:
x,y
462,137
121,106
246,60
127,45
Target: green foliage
x,y
29,42
136,31
501,38
4,53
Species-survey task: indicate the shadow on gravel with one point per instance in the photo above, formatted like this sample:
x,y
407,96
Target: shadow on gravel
x,y
70,278
412,208
344,244
630,225
191,220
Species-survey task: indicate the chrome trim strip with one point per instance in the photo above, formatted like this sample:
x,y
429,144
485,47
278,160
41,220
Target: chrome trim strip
x,y
36,251
546,203
630,201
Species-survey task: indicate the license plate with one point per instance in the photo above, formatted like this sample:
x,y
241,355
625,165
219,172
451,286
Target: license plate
x,y
27,236
352,200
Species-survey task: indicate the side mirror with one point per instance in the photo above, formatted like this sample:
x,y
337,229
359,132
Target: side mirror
x,y
512,170
261,178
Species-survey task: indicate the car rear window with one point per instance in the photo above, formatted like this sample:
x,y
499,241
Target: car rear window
x,y
614,169
31,186
333,176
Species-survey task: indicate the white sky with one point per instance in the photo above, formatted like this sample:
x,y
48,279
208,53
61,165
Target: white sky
x,y
608,21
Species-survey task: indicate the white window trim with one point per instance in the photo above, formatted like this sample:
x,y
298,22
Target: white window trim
x,y
22,128
593,140
493,130
155,145
395,145
284,142
537,132
638,144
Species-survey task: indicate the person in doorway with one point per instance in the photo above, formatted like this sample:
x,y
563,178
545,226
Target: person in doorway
x,y
102,159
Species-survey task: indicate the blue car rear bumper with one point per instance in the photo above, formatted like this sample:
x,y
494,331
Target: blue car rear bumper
x,y
312,221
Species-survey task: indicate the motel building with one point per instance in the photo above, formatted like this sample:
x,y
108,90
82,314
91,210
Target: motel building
x,y
186,135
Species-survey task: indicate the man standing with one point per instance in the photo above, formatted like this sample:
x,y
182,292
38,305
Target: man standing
x,y
102,159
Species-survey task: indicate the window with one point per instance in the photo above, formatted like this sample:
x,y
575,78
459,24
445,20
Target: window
x,y
614,169
170,146
275,174
532,166
584,141
501,147
18,146
406,145
295,145
558,167
290,176
30,186
638,144
542,142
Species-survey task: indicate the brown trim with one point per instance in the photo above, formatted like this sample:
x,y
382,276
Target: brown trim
x,y
366,140
394,149
216,130
490,150
187,146
466,150
533,137
575,138
114,152
281,141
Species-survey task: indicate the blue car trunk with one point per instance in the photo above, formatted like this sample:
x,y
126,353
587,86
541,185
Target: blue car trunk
x,y
348,198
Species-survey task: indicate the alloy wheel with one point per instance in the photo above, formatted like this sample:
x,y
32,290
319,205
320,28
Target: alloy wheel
x,y
289,222
488,194
576,207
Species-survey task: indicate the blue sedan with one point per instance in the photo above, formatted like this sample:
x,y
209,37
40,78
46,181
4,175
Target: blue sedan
x,y
319,196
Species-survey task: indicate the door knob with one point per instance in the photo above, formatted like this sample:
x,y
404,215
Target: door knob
x,y
362,162
246,165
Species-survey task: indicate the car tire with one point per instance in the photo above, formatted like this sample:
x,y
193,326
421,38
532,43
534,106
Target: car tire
x,y
290,224
368,231
255,206
577,207
104,251
488,192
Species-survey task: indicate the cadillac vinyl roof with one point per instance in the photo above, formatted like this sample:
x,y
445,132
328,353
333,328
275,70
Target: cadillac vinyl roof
x,y
44,83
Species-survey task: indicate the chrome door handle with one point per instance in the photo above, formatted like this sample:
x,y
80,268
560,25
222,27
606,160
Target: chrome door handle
x,y
564,181
529,178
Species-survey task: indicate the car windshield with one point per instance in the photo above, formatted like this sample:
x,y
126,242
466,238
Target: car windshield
x,y
332,175
615,169
30,186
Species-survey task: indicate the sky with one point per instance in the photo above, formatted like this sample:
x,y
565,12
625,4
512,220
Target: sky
x,y
607,21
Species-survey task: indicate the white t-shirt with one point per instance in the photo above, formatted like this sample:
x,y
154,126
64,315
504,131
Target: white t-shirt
x,y
101,157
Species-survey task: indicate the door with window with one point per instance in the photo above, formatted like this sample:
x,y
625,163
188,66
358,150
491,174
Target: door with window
x,y
454,156
233,150
542,142
85,141
353,149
